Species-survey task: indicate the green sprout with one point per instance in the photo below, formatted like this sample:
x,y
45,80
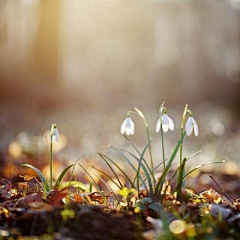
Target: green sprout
x,y
55,136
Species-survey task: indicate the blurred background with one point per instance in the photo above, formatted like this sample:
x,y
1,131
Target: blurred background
x,y
84,64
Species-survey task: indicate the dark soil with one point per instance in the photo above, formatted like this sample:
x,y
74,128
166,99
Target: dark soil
x,y
90,223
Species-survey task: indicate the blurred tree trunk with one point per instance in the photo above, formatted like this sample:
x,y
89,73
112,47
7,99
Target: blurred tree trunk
x,y
46,43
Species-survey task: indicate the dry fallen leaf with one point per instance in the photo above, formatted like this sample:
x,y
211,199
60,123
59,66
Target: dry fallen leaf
x,y
33,184
24,201
55,197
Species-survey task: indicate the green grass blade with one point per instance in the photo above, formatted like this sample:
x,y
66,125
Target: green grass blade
x,y
163,176
145,171
171,178
129,162
176,171
148,138
181,172
61,176
180,179
199,166
126,176
133,145
155,169
135,157
40,175
96,185
115,174
107,185
105,174
202,165
124,157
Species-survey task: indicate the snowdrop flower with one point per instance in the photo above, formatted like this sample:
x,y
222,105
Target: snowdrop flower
x,y
55,134
191,125
167,123
127,126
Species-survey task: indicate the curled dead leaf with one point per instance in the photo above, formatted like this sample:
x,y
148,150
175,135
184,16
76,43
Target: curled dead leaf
x,y
24,201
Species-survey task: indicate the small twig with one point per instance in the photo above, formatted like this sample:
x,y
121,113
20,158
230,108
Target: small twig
x,y
223,192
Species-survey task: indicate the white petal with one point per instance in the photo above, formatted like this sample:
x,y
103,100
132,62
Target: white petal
x,y
128,130
171,124
165,119
195,127
128,122
165,122
158,125
165,127
132,126
123,126
56,135
189,126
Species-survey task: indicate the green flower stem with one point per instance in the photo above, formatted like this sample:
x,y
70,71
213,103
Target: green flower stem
x,y
182,129
180,177
163,152
150,153
161,180
149,141
181,170
51,162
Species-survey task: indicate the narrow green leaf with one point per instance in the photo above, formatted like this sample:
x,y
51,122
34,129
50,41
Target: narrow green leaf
x,y
37,171
115,174
134,146
105,174
155,169
141,165
107,185
163,176
61,176
181,172
124,157
75,184
177,169
126,176
136,158
171,178
129,162
145,171
149,140
199,166
96,185
202,165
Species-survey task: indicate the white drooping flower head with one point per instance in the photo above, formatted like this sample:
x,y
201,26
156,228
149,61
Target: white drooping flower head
x,y
191,125
127,126
55,133
165,120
